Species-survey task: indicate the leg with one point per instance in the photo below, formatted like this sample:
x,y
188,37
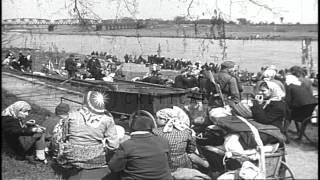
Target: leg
x,y
36,141
297,127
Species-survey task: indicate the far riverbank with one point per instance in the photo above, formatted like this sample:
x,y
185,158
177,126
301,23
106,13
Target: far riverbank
x,y
232,31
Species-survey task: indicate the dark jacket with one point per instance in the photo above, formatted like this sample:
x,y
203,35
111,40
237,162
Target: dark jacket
x,y
273,114
94,67
144,156
184,82
12,131
70,64
298,96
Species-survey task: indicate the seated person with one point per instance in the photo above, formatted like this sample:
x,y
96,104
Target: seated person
x,y
268,109
174,125
90,136
144,155
23,137
61,112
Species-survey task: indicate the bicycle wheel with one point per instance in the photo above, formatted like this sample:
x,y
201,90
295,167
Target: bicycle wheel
x,y
285,172
310,131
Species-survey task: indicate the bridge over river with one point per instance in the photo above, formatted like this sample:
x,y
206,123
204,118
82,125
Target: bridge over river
x,y
53,25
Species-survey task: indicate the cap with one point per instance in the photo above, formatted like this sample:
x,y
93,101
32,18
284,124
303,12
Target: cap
x,y
141,121
227,64
95,101
62,109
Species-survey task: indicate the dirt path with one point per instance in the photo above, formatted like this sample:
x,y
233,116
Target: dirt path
x,y
302,158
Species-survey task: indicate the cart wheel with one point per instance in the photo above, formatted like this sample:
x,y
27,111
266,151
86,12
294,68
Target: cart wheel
x,y
145,113
285,172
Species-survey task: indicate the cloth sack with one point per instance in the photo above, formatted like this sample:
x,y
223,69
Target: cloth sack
x,y
219,112
249,171
232,144
186,173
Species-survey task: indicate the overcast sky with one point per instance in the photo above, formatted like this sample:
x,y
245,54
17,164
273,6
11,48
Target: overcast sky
x,y
303,11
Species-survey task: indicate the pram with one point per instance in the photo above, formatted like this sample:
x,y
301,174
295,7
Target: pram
x,y
270,165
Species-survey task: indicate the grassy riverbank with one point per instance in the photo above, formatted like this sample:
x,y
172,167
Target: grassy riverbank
x,y
232,31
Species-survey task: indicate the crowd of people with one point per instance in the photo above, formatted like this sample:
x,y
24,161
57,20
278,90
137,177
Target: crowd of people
x,y
163,147
21,63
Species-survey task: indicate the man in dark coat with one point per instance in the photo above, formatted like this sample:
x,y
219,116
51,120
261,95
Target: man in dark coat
x,y
71,66
23,62
94,68
144,155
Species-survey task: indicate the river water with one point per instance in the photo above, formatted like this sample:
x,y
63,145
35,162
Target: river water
x,y
249,54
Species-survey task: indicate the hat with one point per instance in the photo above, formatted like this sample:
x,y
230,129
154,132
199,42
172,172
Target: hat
x,y
141,121
227,64
62,109
95,101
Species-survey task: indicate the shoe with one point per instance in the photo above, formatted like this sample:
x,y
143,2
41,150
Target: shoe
x,y
20,158
44,161
34,160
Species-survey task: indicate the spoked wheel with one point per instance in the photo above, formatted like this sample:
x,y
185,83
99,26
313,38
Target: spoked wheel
x,y
284,172
145,113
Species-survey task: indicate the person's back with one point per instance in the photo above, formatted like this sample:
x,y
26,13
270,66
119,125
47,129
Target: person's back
x,y
181,143
297,93
147,157
144,155
228,85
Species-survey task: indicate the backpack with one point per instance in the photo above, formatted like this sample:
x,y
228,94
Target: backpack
x,y
59,138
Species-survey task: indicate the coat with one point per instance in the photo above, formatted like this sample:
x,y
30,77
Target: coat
x,y
12,130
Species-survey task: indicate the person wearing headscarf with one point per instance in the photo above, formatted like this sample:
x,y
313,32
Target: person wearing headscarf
x,y
269,75
23,136
268,108
91,136
174,125
144,155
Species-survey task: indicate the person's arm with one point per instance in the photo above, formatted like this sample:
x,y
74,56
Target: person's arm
x,y
13,128
288,97
111,136
118,161
235,94
192,145
275,113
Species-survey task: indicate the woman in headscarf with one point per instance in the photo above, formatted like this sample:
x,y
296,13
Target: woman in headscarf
x,y
268,108
91,137
269,75
23,136
174,125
